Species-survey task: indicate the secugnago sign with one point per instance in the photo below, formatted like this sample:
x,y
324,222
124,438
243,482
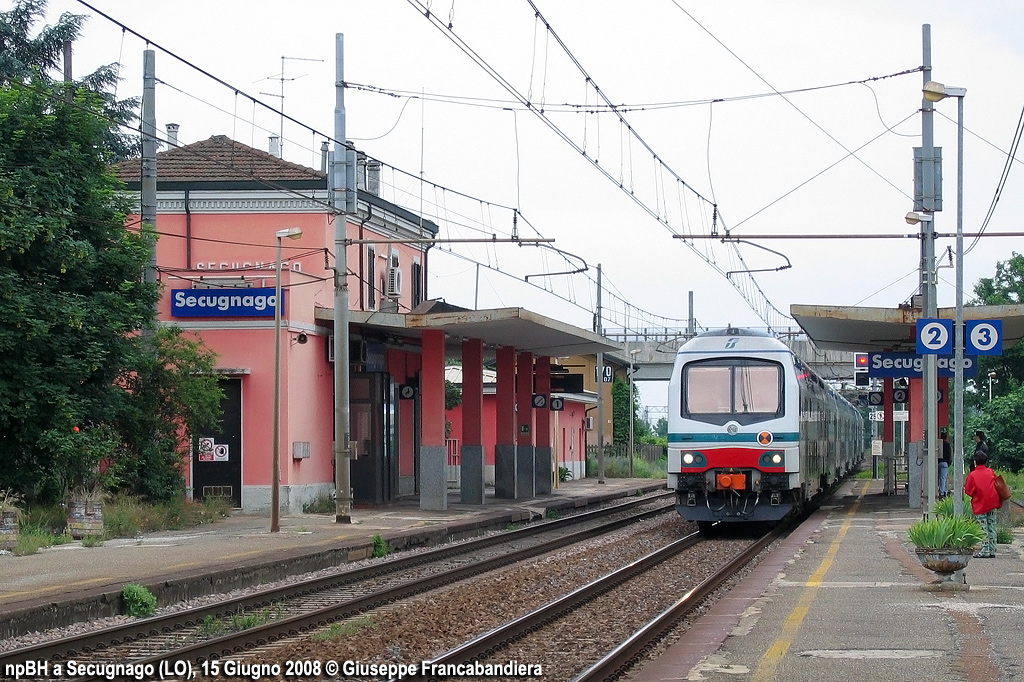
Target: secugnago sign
x,y
257,302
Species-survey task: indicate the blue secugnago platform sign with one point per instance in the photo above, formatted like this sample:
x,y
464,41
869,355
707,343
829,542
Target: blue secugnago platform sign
x,y
899,365
223,302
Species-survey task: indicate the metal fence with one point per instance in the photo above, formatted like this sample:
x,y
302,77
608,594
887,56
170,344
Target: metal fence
x,y
645,451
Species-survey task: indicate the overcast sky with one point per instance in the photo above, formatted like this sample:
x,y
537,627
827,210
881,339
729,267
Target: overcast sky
x,y
697,89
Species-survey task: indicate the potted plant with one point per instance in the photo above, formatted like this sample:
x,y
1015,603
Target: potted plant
x,y
85,510
10,515
945,544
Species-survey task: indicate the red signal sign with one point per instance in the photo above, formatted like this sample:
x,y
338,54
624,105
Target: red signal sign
x,y
860,362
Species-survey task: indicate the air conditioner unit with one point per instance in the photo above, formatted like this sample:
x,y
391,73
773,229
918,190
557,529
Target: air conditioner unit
x,y
356,351
590,423
393,288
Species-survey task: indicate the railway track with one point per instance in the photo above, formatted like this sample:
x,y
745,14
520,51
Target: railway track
x,y
533,638
188,637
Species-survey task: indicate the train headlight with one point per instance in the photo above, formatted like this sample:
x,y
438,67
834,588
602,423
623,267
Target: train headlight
x,y
773,458
688,458
692,459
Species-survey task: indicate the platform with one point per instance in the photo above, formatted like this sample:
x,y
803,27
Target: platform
x,y
72,583
845,598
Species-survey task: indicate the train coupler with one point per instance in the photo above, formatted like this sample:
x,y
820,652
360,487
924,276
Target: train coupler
x,y
691,500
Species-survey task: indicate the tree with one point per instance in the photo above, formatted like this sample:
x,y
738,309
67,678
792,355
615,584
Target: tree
x,y
622,408
24,57
170,392
83,395
1000,417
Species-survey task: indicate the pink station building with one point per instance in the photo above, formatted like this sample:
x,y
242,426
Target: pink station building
x,y
220,205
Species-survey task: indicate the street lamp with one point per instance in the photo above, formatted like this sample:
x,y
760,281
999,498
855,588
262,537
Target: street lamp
x,y
632,409
991,380
936,92
275,486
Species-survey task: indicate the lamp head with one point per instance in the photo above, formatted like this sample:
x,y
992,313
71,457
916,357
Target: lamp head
x,y
934,92
290,233
913,218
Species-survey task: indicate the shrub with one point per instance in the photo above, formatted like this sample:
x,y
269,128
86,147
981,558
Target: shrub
x,y
381,547
138,601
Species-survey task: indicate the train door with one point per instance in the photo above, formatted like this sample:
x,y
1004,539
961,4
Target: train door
x,y
217,455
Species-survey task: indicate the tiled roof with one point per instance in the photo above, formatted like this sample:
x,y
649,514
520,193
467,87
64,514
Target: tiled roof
x,y
218,159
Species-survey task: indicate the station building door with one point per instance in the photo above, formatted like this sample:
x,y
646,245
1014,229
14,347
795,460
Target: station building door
x,y
217,455
374,440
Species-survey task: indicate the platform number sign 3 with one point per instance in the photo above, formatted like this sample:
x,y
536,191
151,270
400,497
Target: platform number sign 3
x,y
984,337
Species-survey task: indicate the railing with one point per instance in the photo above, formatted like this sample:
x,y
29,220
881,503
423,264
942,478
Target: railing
x,y
644,451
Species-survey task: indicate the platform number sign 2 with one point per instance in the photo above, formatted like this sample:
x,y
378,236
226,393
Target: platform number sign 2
x,y
934,337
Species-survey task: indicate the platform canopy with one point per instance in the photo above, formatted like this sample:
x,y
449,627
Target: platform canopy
x,y
857,329
517,327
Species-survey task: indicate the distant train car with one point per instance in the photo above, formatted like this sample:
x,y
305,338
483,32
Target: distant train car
x,y
753,433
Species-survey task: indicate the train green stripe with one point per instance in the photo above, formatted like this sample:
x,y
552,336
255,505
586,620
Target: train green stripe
x,y
790,437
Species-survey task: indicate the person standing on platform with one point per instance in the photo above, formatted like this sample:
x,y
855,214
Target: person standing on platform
x,y
980,444
945,459
985,502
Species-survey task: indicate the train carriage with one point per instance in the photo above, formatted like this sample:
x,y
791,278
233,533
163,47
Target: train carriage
x,y
754,434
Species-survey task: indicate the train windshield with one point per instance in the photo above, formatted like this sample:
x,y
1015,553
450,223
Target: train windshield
x,y
745,390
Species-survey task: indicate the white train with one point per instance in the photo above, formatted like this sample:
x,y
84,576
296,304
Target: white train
x,y
753,433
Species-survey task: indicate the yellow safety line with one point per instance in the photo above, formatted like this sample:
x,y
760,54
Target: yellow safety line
x,y
43,590
777,651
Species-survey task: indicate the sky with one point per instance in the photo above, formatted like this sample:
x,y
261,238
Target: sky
x,y
743,117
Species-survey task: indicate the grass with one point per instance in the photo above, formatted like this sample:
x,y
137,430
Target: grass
x,y
346,629
123,517
618,467
237,622
323,504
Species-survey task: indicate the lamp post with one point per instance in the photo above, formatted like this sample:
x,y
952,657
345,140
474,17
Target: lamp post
x,y
275,485
632,409
991,380
936,92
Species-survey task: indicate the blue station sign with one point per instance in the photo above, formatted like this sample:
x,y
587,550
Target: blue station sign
x,y
899,365
257,302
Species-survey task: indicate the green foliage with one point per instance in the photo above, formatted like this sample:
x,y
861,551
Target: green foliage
x,y
452,395
553,514
954,532
32,538
564,474
618,467
170,394
138,601
661,429
11,502
126,516
323,504
92,541
84,397
1004,536
381,547
346,629
944,507
1000,417
211,626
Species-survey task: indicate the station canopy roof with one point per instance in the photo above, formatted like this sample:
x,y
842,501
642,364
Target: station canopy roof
x,y
517,327
858,329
